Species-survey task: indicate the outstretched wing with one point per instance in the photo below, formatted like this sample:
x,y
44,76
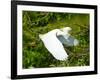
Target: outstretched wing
x,y
55,47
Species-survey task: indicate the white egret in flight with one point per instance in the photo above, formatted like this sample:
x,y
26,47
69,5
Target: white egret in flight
x,y
54,40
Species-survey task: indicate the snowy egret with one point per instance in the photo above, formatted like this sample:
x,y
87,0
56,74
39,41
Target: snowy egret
x,y
54,40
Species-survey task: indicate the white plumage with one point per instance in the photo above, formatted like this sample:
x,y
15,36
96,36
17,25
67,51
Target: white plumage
x,y
53,44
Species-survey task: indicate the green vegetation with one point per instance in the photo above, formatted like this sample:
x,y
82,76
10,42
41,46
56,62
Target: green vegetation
x,y
34,52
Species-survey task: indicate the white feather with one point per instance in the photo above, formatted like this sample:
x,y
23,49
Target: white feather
x,y
53,45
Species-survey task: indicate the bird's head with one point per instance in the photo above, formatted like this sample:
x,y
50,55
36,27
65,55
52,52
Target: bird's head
x,y
66,30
